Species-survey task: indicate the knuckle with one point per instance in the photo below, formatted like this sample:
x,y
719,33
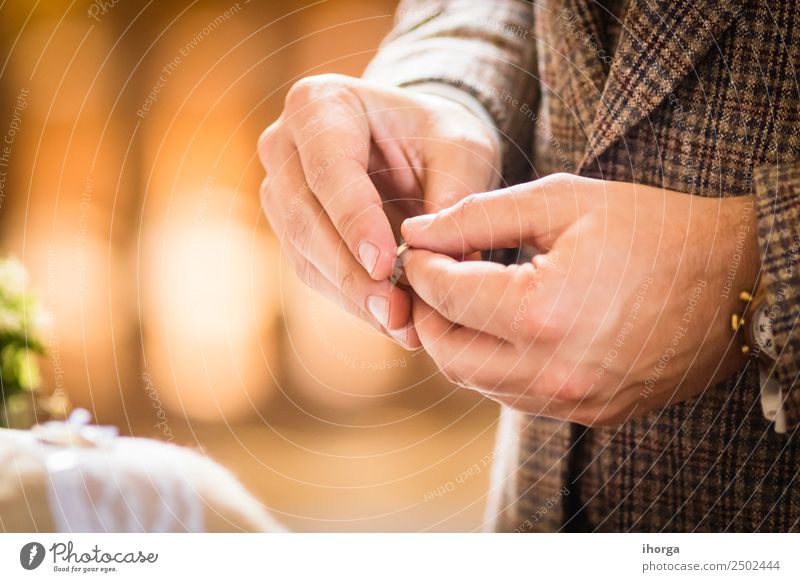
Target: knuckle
x,y
298,230
471,212
266,141
310,89
558,179
467,207
268,145
349,222
526,322
568,390
300,93
442,297
348,285
318,172
561,181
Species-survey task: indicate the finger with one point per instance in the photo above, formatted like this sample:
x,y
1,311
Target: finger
x,y
406,336
476,360
483,296
537,212
494,368
298,220
333,139
458,351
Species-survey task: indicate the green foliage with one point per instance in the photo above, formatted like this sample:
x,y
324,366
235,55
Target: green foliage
x,y
21,318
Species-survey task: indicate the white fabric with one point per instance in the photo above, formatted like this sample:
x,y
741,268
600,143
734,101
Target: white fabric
x,y
503,463
772,400
120,485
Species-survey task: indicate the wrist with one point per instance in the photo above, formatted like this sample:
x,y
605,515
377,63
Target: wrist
x,y
454,96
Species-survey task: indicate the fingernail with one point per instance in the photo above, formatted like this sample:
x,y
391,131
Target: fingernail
x,y
400,335
368,255
379,308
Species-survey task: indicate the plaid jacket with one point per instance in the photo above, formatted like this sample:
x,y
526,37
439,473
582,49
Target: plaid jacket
x,y
700,97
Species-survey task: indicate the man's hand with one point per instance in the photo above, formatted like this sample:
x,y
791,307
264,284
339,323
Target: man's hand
x,y
347,161
627,308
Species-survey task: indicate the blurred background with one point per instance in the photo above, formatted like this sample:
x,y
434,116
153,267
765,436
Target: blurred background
x,y
129,189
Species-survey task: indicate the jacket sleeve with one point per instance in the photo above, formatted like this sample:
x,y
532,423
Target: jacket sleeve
x,y
778,207
481,47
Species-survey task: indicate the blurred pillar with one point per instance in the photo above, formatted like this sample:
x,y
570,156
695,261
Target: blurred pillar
x,y
208,264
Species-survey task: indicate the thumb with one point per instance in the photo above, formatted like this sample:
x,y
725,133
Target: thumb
x,y
536,213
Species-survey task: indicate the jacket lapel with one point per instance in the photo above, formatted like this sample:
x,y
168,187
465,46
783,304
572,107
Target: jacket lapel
x,y
660,44
572,29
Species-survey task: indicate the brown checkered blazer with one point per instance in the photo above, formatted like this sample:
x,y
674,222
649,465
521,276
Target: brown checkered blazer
x,y
701,97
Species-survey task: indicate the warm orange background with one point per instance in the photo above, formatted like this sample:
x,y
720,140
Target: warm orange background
x,y
132,197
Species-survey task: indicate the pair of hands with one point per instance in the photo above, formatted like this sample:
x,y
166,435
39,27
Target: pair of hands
x,y
623,310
